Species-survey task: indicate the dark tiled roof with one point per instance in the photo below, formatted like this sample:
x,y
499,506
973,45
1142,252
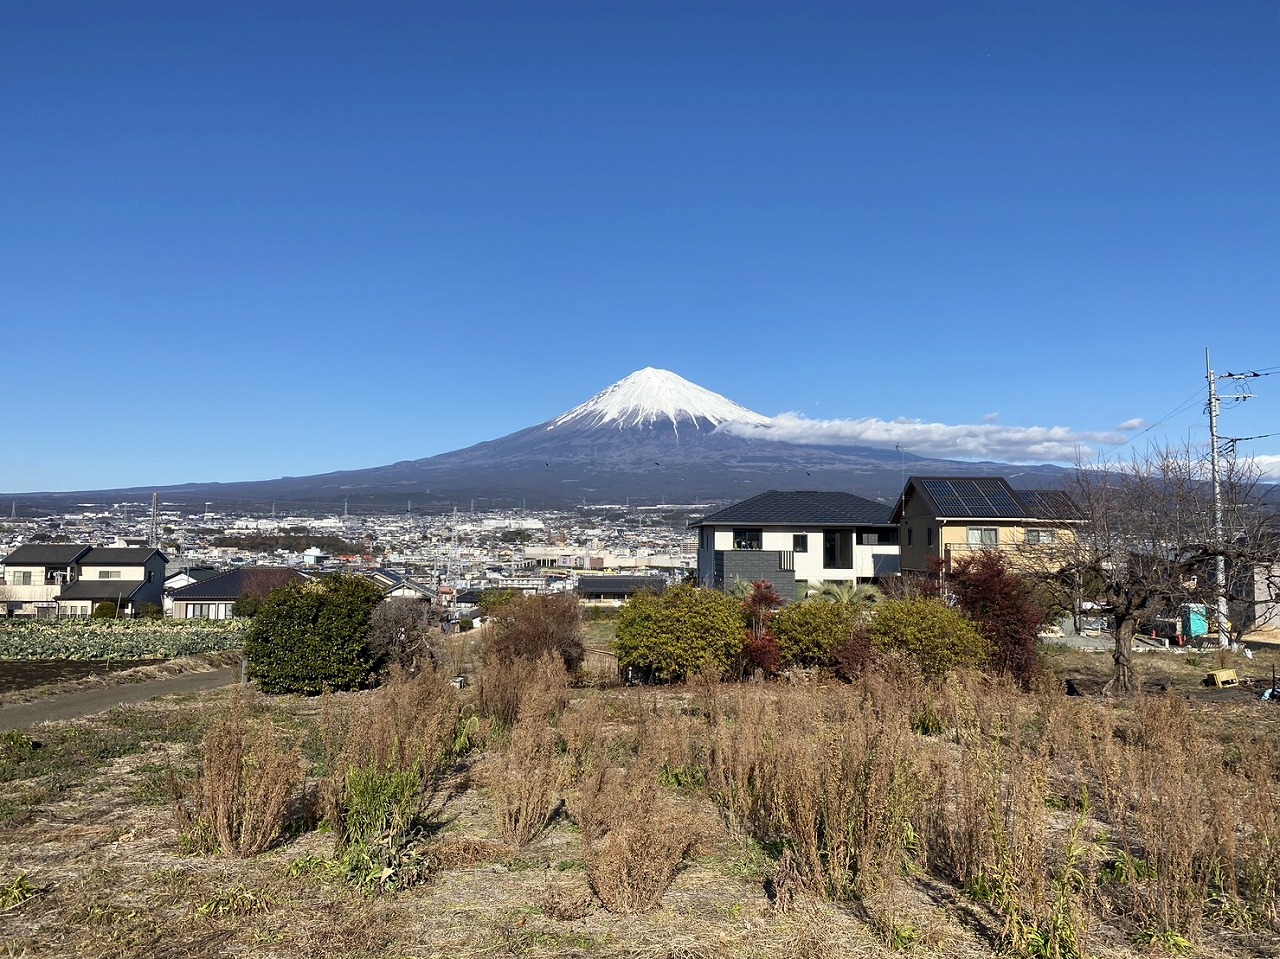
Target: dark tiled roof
x,y
198,574
991,497
101,589
802,508
120,556
41,554
410,584
619,585
238,583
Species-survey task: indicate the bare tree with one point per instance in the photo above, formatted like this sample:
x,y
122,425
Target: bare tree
x,y
400,632
1148,542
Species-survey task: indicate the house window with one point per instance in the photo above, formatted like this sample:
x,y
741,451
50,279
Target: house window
x,y
837,548
1042,537
108,574
984,537
799,542
20,578
928,535
748,539
908,535
707,538
870,539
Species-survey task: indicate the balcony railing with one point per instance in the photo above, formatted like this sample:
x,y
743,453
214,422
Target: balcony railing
x,y
34,593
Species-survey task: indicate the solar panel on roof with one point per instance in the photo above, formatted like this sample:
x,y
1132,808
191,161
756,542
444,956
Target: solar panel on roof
x,y
973,497
944,495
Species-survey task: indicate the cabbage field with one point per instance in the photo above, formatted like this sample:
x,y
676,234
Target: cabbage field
x,y
116,638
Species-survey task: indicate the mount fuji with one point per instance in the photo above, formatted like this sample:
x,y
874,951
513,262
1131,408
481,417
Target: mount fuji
x,y
651,438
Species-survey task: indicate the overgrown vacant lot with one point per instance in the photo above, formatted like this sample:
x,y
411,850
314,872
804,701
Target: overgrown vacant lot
x,y
888,816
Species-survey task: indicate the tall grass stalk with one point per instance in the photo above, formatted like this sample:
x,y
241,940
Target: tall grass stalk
x,y
248,783
833,780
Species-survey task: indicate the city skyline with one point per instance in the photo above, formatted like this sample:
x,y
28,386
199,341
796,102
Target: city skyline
x,y
253,240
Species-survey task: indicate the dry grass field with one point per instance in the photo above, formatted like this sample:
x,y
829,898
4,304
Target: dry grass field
x,y
814,819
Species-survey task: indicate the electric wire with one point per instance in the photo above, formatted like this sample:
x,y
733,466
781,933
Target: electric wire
x,y
1176,411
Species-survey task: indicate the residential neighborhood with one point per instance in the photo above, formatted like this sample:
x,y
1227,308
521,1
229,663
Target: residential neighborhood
x,y
199,565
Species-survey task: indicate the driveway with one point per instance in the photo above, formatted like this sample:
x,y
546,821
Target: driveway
x,y
87,702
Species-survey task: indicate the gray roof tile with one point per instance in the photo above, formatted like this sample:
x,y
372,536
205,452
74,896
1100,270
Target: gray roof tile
x,y
45,554
120,556
100,590
237,583
801,508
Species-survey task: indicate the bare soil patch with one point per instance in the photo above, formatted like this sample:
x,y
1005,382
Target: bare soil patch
x,y
23,681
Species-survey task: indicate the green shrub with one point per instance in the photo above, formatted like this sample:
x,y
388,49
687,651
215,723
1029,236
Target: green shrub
x,y
933,634
106,610
310,636
810,632
683,630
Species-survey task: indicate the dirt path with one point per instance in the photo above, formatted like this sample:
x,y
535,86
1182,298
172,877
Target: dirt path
x,y
86,702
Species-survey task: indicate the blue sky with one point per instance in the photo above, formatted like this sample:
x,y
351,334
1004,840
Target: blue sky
x,y
246,240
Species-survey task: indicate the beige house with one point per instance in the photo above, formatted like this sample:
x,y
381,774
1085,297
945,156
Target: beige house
x,y
35,574
61,580
941,519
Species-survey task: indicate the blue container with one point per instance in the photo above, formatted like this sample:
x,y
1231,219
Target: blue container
x,y
1195,620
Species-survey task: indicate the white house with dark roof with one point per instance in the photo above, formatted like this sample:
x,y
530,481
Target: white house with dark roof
x,y
35,574
797,539
215,597
70,580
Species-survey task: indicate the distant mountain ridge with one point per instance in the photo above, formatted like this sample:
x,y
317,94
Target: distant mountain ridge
x,y
651,438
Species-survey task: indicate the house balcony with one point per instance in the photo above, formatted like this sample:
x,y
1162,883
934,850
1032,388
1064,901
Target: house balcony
x,y
1033,555
35,593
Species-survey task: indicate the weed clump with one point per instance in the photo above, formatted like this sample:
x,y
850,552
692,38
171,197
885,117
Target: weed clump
x,y
527,776
384,758
635,839
249,782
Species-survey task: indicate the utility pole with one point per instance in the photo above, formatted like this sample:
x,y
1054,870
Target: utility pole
x,y
1219,531
1220,561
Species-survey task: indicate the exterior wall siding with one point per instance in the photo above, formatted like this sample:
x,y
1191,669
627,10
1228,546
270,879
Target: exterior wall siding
x,y
749,565
719,564
211,609
123,573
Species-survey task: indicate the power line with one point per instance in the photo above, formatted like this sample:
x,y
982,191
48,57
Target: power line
x,y
1179,409
1251,374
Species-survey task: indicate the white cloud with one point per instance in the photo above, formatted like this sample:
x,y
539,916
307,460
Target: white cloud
x,y
1268,466
1136,423
990,417
985,441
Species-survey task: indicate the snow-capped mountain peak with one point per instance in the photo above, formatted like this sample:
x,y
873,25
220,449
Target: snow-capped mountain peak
x,y
650,396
